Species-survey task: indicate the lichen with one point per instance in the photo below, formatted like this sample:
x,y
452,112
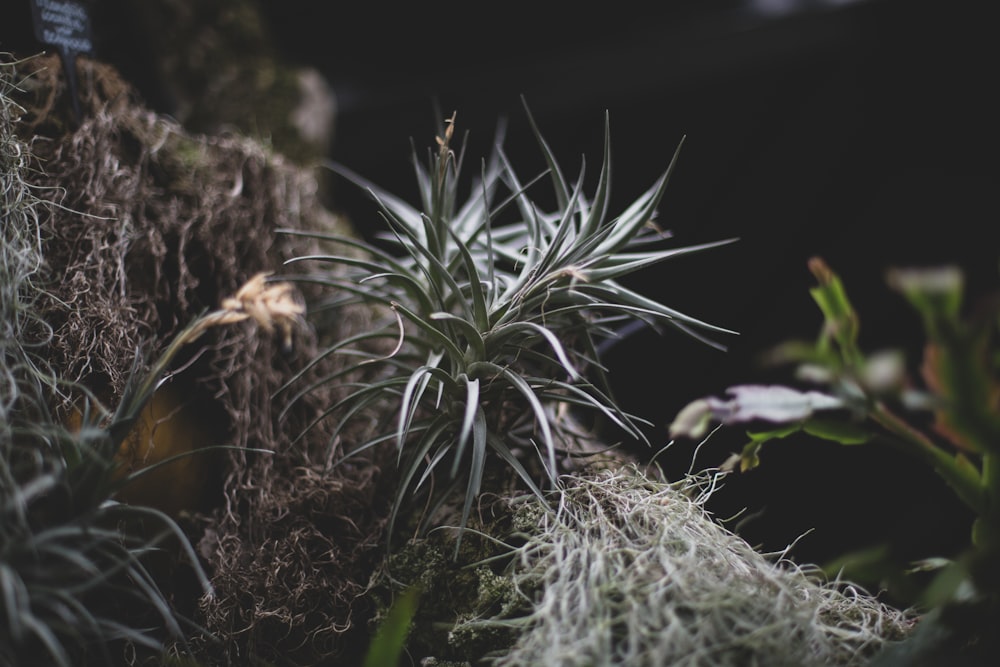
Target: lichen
x,y
454,594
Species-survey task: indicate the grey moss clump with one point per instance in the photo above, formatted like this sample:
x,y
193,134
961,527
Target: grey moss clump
x,y
628,570
20,261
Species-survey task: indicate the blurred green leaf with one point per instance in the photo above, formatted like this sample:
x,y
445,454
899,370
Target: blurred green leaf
x,y
390,638
841,319
841,431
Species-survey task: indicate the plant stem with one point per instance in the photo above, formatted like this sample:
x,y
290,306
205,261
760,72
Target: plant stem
x,y
986,532
970,487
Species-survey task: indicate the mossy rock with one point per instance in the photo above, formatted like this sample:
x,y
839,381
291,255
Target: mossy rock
x,y
146,225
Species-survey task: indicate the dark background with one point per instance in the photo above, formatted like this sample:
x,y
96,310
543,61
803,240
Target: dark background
x,y
860,131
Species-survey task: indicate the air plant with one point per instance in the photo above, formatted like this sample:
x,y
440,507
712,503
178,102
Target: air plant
x,y
498,309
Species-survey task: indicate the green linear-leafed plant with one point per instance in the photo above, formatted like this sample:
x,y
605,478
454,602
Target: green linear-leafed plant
x,y
950,421
499,306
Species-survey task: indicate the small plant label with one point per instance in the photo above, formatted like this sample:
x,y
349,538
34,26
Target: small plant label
x,y
65,25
